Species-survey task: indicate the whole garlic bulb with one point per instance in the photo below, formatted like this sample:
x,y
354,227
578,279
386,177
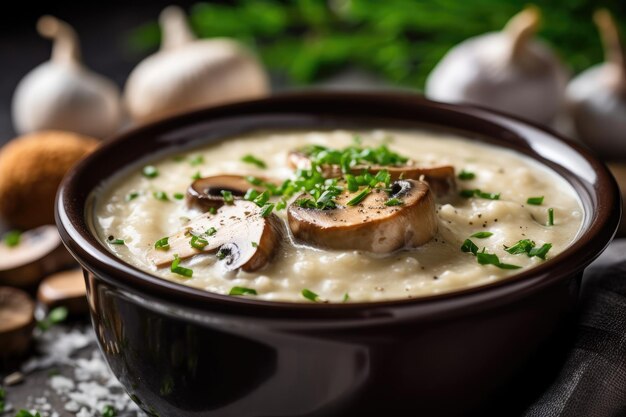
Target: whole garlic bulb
x,y
62,93
597,97
505,70
187,73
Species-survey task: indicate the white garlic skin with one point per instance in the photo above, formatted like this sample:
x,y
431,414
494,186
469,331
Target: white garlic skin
x,y
202,73
474,72
598,110
54,96
63,94
187,73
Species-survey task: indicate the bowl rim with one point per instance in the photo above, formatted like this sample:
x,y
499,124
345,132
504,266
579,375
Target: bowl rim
x,y
71,219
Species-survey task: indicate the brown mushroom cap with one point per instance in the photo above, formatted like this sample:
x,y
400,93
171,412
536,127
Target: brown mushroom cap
x,y
244,239
441,178
206,193
17,321
65,289
39,253
370,225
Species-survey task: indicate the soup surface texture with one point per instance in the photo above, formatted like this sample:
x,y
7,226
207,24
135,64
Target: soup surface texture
x,y
501,207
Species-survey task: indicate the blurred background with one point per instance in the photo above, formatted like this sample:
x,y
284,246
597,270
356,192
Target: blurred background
x,y
395,42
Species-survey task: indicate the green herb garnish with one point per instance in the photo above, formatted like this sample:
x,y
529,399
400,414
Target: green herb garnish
x,y
484,258
266,210
310,295
196,176
150,171
26,413
251,159
242,291
228,196
254,244
113,241
55,316
177,269
550,217
359,197
527,246
536,201
482,235
162,244
132,196
109,411
261,199
478,193
540,252
161,196
466,175
197,242
179,196
394,202
346,297
212,210
12,238
353,186
197,160
353,155
469,247
211,231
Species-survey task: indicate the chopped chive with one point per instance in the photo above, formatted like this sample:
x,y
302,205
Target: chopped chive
x,y
55,316
12,238
266,210
196,176
228,196
353,186
522,246
540,252
262,198
466,175
178,158
113,241
162,244
179,196
197,160
550,217
281,205
254,180
536,201
508,266
469,246
242,291
310,295
346,297
359,197
482,235
177,269
132,196
467,193
394,202
251,159
485,258
212,210
198,243
211,231
254,244
478,193
251,194
161,196
150,171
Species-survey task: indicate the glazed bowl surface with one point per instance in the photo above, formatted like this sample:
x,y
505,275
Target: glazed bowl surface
x,y
181,351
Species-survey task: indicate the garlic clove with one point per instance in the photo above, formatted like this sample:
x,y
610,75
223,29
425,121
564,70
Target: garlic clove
x,y
62,93
596,98
506,70
187,73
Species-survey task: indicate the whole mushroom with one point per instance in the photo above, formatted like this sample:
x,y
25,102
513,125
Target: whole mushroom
x,y
187,73
507,70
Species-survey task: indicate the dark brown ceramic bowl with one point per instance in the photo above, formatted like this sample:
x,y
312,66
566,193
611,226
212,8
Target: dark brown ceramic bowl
x,y
180,351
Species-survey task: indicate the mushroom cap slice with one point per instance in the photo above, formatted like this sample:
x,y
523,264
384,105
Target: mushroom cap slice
x,y
40,252
17,321
243,238
441,178
206,193
65,289
370,225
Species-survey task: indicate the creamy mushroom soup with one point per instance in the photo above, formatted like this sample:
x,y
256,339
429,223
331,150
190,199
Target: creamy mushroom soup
x,y
338,216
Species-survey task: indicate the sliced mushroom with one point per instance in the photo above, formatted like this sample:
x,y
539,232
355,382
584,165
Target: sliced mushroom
x,y
238,233
17,321
65,289
370,225
39,253
206,193
441,178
